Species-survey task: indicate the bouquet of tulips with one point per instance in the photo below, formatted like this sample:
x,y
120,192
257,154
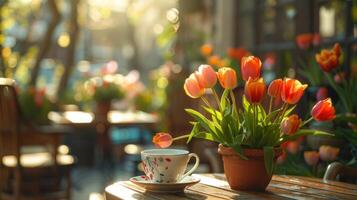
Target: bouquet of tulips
x,y
251,125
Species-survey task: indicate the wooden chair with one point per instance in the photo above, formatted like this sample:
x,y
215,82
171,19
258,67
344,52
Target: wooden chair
x,y
337,171
25,174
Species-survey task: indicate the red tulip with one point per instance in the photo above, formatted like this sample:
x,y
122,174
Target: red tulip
x,y
328,153
323,110
316,40
206,50
192,87
162,140
206,76
281,158
290,124
322,93
250,67
292,90
304,41
227,77
329,59
274,89
293,147
254,90
311,157
237,53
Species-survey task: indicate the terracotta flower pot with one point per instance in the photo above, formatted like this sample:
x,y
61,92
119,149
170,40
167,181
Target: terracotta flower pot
x,y
245,174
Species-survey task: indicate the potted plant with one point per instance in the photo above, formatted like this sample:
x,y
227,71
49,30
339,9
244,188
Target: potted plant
x,y
35,105
103,95
250,136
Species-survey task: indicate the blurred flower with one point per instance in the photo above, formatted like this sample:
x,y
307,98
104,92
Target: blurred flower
x,y
311,157
274,89
304,40
339,77
162,140
109,68
281,158
292,90
237,53
254,90
206,50
206,76
293,147
215,61
290,124
322,93
192,87
227,77
316,40
323,110
250,67
328,153
329,59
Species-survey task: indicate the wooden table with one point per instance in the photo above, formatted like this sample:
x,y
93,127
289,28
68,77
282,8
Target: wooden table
x,y
214,186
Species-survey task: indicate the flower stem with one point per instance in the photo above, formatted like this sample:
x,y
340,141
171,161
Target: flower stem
x,y
180,137
307,121
270,104
216,97
206,102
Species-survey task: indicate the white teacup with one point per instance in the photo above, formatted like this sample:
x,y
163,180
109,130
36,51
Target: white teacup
x,y
167,165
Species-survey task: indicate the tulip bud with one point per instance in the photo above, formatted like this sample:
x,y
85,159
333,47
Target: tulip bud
x,y
311,157
250,67
323,110
206,76
206,50
304,40
290,124
292,90
322,93
162,140
192,87
254,90
227,77
328,153
274,89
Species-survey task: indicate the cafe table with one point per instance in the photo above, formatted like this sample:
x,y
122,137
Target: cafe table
x,y
215,186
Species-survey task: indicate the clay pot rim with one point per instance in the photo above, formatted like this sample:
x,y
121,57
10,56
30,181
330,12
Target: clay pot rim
x,y
249,152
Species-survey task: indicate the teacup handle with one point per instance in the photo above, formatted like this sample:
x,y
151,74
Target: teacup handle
x,y
194,166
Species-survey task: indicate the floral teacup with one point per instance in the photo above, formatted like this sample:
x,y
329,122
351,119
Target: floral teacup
x,y
167,165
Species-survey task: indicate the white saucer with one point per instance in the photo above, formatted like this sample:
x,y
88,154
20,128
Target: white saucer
x,y
144,182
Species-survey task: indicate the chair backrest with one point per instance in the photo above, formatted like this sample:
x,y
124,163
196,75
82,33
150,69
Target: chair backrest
x,y
9,119
346,173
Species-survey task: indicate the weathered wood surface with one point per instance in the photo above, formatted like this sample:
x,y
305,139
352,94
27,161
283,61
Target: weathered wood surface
x,y
214,186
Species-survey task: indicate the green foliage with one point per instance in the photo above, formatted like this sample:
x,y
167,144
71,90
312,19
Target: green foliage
x,y
107,92
35,105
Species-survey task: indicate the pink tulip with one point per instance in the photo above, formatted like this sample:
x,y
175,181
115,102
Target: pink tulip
x,y
192,87
328,153
311,157
206,76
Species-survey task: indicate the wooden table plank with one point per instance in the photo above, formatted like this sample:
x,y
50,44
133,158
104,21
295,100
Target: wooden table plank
x,y
214,186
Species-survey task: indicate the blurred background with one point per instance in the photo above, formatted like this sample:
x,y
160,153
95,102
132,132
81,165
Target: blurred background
x,y
75,61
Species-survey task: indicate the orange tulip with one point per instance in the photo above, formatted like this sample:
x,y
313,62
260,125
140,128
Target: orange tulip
x,y
292,90
192,87
162,140
329,59
227,77
274,89
254,90
322,93
215,61
250,67
237,53
304,41
206,76
311,157
206,50
293,147
323,110
328,153
290,124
